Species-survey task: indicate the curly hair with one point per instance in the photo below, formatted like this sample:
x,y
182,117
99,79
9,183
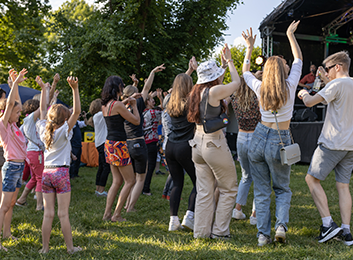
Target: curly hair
x,y
57,115
113,86
30,106
195,99
95,107
244,95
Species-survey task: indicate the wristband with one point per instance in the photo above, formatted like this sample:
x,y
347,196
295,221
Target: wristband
x,y
230,60
247,61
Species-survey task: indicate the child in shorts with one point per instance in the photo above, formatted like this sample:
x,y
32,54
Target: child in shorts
x,y
14,145
55,132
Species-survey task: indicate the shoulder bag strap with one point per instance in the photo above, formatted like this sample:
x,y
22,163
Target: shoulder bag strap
x,y
205,93
275,112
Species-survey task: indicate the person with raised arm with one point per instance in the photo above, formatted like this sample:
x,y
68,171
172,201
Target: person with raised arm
x,y
276,93
210,152
55,131
116,151
135,136
15,152
335,146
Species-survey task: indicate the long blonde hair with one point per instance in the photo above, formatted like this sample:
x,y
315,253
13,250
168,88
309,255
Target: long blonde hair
x,y
274,90
182,86
244,95
57,115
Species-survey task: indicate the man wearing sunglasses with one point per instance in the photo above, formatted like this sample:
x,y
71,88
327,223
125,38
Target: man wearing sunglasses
x,y
335,146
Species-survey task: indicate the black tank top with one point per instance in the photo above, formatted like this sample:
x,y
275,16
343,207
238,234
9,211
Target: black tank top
x,y
115,126
212,112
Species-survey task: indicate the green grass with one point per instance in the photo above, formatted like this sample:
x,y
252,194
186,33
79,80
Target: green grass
x,y
145,233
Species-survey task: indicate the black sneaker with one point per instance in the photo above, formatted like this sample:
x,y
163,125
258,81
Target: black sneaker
x,y
347,239
327,233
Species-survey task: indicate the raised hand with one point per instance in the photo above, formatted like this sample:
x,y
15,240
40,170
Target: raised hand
x,y
19,77
73,82
40,82
56,94
158,68
292,27
131,101
134,79
194,63
249,38
159,92
227,55
9,82
56,77
136,95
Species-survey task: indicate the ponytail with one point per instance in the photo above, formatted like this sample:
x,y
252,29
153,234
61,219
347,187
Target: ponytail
x,y
49,132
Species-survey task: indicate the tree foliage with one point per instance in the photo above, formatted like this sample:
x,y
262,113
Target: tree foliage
x,y
238,54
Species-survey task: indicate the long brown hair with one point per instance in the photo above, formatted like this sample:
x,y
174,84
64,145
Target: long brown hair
x,y
274,90
244,95
95,106
195,99
57,115
182,86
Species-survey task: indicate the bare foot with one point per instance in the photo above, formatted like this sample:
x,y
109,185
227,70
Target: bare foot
x,y
107,218
11,237
126,207
3,248
131,210
74,250
118,219
42,251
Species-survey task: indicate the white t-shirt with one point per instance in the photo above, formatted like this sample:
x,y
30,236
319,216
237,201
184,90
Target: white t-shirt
x,y
30,132
59,153
337,132
100,129
285,113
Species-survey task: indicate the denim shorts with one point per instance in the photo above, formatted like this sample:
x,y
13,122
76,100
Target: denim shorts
x,y
325,160
12,176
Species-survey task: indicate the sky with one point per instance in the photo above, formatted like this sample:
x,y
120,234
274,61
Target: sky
x,y
249,14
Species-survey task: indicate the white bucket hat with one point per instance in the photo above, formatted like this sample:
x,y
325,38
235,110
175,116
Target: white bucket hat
x,y
208,71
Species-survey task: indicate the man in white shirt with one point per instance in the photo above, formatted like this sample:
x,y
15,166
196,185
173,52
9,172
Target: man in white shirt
x,y
335,146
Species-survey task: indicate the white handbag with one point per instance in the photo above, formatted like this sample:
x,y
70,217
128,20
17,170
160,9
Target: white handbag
x,y
290,154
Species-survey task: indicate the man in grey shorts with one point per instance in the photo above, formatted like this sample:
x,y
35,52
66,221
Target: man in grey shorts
x,y
335,146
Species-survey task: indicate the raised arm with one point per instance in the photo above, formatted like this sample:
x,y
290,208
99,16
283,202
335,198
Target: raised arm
x,y
134,79
10,103
148,83
192,66
120,108
250,41
53,86
73,82
43,107
297,53
220,92
160,97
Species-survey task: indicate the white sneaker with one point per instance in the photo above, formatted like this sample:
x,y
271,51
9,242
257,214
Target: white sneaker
x,y
263,240
101,194
280,234
253,220
238,214
188,223
174,225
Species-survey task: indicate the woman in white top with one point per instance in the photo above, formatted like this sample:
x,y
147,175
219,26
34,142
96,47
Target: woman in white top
x,y
276,94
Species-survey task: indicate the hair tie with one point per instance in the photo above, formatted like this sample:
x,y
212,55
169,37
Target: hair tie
x,y
26,114
2,111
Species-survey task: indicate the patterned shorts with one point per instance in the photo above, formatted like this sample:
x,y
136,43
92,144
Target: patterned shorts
x,y
56,180
117,153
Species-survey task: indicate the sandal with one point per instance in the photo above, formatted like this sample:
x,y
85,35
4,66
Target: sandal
x,y
21,205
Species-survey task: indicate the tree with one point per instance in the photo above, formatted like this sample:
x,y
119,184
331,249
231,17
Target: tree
x,y
238,54
21,36
133,36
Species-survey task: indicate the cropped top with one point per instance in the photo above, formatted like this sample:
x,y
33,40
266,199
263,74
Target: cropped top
x,y
286,111
247,119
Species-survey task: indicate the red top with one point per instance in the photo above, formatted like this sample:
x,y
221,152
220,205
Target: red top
x,y
308,79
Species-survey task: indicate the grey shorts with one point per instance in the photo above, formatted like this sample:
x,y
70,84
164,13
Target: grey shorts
x,y
325,160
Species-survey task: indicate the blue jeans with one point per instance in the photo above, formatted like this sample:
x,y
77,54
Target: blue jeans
x,y
264,154
243,143
11,176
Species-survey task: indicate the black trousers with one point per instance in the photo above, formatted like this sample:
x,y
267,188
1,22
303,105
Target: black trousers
x,y
151,164
103,167
179,158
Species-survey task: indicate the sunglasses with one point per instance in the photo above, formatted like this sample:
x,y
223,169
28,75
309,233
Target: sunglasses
x,y
327,69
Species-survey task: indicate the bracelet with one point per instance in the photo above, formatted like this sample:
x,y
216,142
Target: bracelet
x,y
229,60
247,61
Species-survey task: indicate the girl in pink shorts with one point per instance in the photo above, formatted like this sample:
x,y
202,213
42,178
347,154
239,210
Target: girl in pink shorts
x,y
55,132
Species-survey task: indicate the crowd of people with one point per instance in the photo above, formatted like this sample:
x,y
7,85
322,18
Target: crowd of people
x,y
193,118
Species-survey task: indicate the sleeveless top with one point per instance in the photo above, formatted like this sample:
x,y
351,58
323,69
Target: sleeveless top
x,y
212,112
115,126
134,131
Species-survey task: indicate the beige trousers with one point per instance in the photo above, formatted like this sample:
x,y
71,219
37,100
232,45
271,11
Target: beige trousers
x,y
214,164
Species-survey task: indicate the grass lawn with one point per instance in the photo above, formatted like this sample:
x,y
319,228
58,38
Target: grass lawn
x,y
145,233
